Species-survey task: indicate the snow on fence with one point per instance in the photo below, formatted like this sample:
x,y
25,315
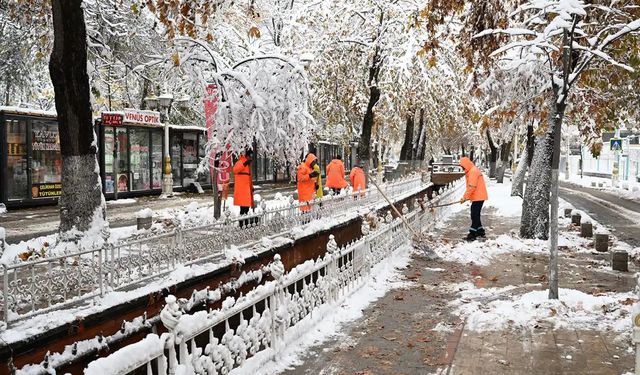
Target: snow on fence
x,y
269,316
39,286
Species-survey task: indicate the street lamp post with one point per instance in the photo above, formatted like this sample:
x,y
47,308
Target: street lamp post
x,y
163,104
164,101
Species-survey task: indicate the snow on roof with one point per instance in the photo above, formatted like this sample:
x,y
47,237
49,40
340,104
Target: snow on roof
x,y
27,111
188,127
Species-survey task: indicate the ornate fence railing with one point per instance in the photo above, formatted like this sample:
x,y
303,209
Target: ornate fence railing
x,y
34,287
269,316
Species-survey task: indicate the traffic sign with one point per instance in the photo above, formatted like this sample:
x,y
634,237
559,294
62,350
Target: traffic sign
x,y
616,144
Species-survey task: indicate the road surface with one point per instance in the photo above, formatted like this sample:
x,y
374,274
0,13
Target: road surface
x,y
24,224
621,216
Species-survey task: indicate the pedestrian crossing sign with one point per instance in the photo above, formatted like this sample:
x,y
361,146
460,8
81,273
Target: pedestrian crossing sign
x,y
616,144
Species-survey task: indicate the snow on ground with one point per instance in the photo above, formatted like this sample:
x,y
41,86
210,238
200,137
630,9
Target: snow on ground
x,y
624,189
482,253
500,199
118,202
574,310
333,318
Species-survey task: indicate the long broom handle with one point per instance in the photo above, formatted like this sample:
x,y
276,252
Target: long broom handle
x,y
373,180
443,205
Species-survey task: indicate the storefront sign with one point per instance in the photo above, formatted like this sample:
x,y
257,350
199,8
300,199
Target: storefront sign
x,y
130,116
45,140
46,190
142,117
112,119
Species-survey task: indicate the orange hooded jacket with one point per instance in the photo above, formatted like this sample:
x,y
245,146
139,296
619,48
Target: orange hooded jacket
x,y
476,189
357,179
242,185
306,184
335,175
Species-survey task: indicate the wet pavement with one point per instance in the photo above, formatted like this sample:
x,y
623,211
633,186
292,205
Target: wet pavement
x,y
620,215
413,331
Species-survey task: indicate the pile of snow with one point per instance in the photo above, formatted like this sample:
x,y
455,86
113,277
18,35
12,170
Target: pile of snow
x,y
121,361
145,213
118,202
574,310
3,209
500,199
482,253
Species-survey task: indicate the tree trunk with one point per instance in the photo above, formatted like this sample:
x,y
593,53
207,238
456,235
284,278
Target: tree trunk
x,y
405,151
82,205
555,164
493,157
364,146
7,92
418,147
531,144
534,222
517,186
505,149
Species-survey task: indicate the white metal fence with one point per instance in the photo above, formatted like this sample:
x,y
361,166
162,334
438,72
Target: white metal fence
x,y
206,343
35,287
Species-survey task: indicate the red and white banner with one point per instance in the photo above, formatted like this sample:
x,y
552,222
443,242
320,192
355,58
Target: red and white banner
x,y
210,109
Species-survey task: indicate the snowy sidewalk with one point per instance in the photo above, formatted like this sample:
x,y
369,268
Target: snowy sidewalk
x,y
483,309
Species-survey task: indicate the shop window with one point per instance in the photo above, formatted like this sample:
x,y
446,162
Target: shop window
x,y
46,161
139,159
175,158
156,158
17,159
122,158
189,157
108,160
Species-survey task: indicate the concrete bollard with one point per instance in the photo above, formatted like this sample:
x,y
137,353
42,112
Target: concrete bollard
x,y
586,230
144,222
593,184
600,184
144,218
575,219
620,261
602,242
567,212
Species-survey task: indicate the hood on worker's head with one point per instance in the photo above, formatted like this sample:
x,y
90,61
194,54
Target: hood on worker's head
x,y
466,163
309,159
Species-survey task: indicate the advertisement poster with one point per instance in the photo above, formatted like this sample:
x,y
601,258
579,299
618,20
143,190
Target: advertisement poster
x,y
46,190
123,183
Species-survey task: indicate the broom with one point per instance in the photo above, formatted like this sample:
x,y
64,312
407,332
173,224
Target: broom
x,y
419,241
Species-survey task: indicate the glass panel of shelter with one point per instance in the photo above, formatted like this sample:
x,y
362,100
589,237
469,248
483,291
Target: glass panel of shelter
x,y
17,166
46,161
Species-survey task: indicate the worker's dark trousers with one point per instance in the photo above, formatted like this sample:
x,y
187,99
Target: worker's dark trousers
x,y
476,224
244,210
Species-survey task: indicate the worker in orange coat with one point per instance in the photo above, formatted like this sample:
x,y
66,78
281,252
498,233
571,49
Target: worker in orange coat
x,y
335,175
357,180
307,181
476,193
243,183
